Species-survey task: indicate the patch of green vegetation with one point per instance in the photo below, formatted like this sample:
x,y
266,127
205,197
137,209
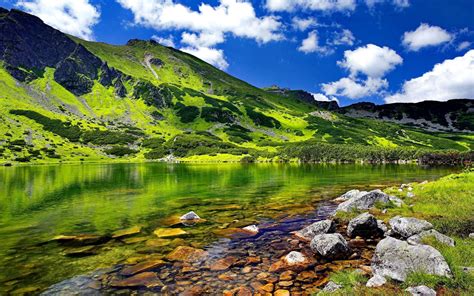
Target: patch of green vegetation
x,y
261,119
187,114
99,137
120,151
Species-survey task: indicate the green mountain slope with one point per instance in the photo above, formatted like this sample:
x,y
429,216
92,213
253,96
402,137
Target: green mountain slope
x,y
66,99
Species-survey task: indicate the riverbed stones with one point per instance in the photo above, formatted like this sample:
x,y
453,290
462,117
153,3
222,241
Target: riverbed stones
x,y
395,259
281,292
294,258
364,225
330,245
421,291
223,264
142,267
376,281
144,279
418,238
81,251
320,227
251,229
190,216
186,254
169,232
81,239
350,194
367,201
408,226
127,232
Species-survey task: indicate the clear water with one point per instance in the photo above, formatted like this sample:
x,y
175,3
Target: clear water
x,y
38,203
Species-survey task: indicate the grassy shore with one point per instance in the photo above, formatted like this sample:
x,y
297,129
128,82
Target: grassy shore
x,y
448,204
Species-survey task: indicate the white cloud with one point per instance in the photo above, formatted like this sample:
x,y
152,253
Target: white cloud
x,y
322,98
205,39
75,17
463,45
354,89
321,5
425,35
397,3
230,16
166,41
311,44
371,60
211,55
451,79
302,24
345,37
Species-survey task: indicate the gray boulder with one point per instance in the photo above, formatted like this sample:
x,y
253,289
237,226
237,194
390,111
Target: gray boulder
x,y
364,225
366,201
351,194
381,225
330,245
331,287
376,281
408,226
190,216
320,227
418,238
421,291
395,259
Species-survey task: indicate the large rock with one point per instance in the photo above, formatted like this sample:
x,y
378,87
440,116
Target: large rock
x,y
351,194
376,281
366,201
331,287
421,291
395,259
408,226
364,225
330,245
418,238
320,227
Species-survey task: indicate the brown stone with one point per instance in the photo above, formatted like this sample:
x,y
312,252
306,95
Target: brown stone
x,y
287,275
169,232
253,260
227,276
262,275
193,291
145,279
285,283
243,291
234,233
80,240
142,267
133,240
127,232
246,269
157,243
223,264
306,276
357,243
186,254
267,288
366,269
281,293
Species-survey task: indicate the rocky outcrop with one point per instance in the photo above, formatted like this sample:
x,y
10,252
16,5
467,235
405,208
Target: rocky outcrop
x,y
153,95
330,245
395,259
364,225
408,226
418,238
320,227
421,291
367,201
376,281
28,46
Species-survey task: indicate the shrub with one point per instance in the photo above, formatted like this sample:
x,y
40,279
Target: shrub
x,y
211,114
156,153
187,113
120,151
261,119
153,143
99,137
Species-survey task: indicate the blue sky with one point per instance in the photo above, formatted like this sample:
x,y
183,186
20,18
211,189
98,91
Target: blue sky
x,y
349,50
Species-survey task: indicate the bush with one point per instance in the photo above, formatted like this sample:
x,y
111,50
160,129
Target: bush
x,y
187,113
56,126
211,114
153,143
99,137
261,119
120,151
156,153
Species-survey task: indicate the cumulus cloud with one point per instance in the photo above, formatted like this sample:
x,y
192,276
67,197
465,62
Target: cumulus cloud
x,y
371,60
302,24
166,41
463,45
353,88
321,5
206,26
451,79
367,66
311,44
75,17
345,37
424,36
211,55
322,98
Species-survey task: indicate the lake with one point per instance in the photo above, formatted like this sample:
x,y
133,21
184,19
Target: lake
x,y
38,203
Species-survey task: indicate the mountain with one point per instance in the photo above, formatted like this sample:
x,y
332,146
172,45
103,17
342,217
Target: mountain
x,y
66,99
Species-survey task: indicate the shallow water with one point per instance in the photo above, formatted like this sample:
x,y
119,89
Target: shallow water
x,y
40,202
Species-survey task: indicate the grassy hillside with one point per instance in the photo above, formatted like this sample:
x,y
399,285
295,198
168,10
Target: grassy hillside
x,y
147,101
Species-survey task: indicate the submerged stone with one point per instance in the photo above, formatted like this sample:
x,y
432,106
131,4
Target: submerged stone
x,y
145,279
190,216
251,228
81,252
186,254
127,232
142,267
80,240
169,232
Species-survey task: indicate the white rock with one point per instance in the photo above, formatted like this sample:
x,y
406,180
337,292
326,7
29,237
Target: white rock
x,y
190,216
331,287
421,291
295,258
408,226
251,228
330,245
418,238
376,281
410,194
320,227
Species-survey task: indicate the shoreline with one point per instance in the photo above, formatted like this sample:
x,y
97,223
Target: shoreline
x,y
116,279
